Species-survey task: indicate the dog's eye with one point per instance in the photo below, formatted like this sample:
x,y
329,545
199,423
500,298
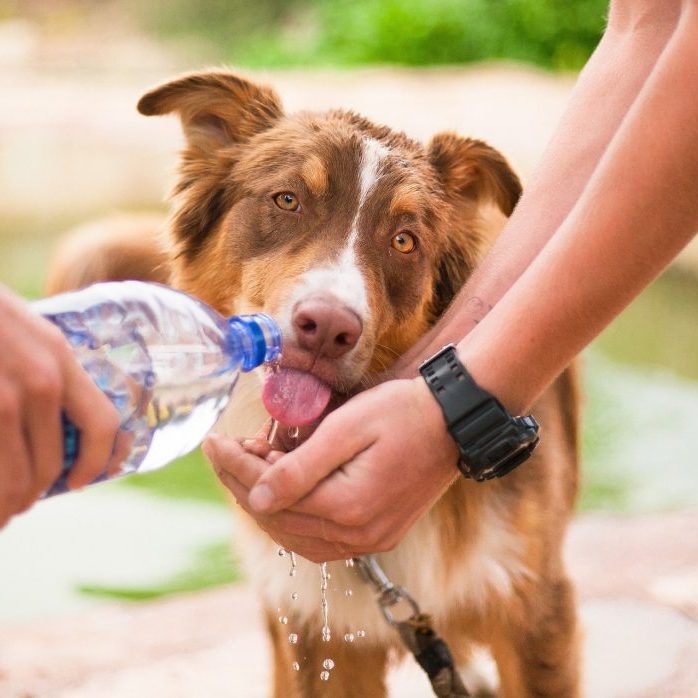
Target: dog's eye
x,y
403,242
287,201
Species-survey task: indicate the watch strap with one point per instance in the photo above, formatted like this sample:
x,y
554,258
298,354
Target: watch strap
x,y
491,441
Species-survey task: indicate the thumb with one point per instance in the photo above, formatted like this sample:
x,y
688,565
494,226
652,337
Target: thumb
x,y
294,475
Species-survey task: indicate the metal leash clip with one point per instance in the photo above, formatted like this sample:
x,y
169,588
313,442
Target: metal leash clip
x,y
389,594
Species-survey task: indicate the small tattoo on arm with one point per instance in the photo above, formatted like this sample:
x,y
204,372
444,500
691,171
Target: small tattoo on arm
x,y
478,308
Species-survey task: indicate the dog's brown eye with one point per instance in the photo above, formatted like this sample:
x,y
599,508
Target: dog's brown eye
x,y
403,242
287,201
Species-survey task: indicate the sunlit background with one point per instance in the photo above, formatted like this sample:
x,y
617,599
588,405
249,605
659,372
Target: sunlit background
x,y
73,148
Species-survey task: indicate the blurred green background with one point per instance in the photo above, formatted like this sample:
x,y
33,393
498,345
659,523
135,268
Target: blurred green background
x,y
551,33
72,148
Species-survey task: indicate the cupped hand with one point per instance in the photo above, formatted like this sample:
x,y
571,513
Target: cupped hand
x,y
369,471
40,378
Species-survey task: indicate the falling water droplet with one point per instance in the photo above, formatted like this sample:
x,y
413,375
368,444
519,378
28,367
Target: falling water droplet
x,y
360,633
324,676
271,434
293,432
349,562
349,637
296,666
293,638
328,664
282,552
283,620
324,577
348,592
295,596
294,564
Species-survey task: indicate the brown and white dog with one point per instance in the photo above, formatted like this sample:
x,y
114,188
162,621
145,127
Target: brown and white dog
x,y
356,238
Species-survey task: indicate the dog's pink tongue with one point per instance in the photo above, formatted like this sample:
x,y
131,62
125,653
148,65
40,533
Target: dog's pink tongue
x,y
295,398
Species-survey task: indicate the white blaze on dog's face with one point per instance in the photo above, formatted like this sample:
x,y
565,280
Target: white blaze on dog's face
x,y
352,236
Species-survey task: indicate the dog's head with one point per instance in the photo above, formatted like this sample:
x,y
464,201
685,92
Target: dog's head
x,y
354,237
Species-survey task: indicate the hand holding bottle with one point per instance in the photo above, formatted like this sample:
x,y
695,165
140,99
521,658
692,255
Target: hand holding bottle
x,y
39,379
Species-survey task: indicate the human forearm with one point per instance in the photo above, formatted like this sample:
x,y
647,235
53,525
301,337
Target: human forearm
x,y
606,89
638,210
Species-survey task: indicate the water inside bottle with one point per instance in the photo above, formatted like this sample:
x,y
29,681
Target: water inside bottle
x,y
164,368
180,421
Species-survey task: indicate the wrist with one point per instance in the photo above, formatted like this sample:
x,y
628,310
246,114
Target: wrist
x,y
503,377
491,441
436,427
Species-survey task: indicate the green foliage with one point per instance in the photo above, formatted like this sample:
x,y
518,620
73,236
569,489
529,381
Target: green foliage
x,y
603,487
659,327
190,477
421,32
551,33
212,566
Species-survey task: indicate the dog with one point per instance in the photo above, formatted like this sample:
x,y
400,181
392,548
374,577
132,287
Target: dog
x,y
356,239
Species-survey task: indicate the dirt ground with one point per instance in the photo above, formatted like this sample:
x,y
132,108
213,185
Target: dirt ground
x,y
637,579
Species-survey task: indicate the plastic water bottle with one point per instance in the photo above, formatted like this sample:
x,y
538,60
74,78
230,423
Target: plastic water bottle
x,y
166,360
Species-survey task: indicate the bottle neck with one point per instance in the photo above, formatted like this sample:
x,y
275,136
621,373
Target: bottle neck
x,y
256,336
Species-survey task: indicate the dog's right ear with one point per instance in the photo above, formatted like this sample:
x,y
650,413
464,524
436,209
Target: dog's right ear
x,y
217,108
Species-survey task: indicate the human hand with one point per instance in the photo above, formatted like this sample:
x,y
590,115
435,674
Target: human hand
x,y
39,378
369,471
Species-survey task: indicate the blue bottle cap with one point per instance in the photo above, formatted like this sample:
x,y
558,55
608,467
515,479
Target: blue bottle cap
x,y
261,338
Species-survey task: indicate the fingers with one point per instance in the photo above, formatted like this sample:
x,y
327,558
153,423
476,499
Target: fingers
x,y
314,527
96,418
258,446
40,378
228,457
122,448
42,425
312,548
297,473
15,464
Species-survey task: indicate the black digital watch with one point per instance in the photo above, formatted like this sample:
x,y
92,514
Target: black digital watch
x,y
491,441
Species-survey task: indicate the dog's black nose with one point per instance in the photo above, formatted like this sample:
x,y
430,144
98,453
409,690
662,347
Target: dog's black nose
x,y
326,327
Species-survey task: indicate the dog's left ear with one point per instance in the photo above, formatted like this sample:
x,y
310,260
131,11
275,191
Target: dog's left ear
x,y
473,170
472,174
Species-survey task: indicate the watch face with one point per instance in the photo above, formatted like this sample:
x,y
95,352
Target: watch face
x,y
503,451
